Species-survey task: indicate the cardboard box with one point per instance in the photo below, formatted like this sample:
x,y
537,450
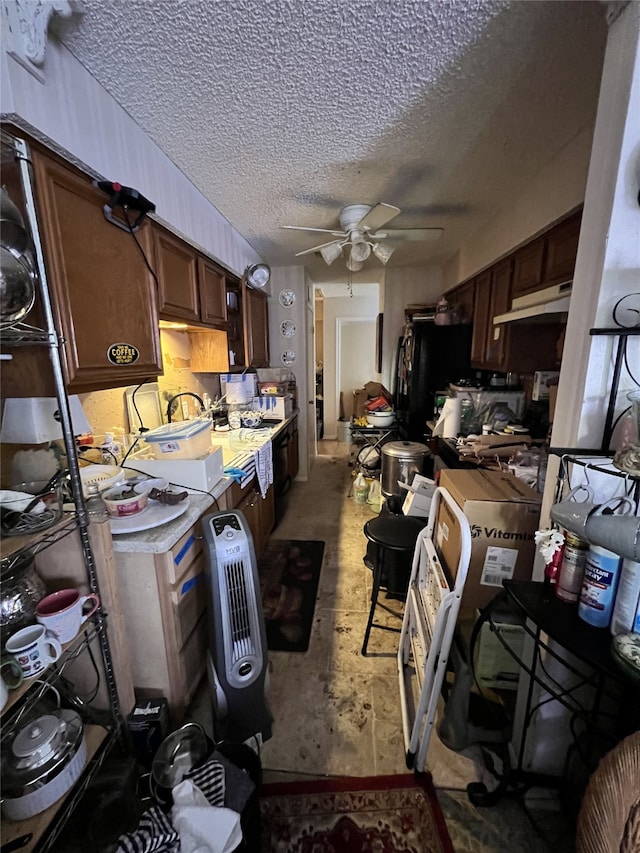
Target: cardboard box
x,y
369,392
274,408
541,378
494,666
503,513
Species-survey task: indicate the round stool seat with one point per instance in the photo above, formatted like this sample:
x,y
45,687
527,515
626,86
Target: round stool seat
x,y
398,532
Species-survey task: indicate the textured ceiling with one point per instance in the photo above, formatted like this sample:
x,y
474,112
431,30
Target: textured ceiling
x,y
283,112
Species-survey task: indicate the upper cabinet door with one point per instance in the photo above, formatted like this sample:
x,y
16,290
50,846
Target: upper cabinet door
x,y
481,319
562,248
177,271
499,304
104,296
528,269
257,331
213,297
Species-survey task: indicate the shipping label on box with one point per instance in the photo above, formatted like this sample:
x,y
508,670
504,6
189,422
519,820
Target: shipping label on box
x,y
503,515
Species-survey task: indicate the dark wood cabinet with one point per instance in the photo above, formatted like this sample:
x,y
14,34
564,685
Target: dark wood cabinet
x,y
481,319
213,303
462,301
177,271
257,328
103,295
562,248
191,288
528,267
259,512
235,323
293,457
499,302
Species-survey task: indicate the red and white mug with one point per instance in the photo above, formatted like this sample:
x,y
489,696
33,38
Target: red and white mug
x,y
64,612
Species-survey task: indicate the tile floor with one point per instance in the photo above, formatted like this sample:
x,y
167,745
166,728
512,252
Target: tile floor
x,y
338,713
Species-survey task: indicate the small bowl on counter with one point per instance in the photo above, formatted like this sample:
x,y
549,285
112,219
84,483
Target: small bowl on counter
x,y
251,420
125,500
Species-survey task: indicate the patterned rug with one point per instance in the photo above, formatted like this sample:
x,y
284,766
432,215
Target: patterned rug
x,y
382,814
289,572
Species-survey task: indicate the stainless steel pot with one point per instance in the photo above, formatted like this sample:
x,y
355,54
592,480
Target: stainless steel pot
x,y
20,591
17,287
400,461
179,753
41,763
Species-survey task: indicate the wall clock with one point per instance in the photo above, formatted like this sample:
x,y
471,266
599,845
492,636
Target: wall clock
x,y
286,298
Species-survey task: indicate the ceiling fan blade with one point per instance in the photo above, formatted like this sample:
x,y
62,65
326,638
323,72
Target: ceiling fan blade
x,y
378,216
320,230
315,248
409,235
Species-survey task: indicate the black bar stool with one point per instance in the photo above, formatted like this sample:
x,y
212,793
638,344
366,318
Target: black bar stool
x,y
396,533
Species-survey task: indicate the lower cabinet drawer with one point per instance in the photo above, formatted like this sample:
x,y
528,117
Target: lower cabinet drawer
x,y
189,600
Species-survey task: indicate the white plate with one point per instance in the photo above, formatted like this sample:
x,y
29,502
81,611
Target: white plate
x,y
288,357
153,515
287,328
286,298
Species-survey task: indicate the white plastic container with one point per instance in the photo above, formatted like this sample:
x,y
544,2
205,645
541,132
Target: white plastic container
x,y
183,440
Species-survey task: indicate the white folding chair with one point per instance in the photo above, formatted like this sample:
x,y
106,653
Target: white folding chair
x,y
430,616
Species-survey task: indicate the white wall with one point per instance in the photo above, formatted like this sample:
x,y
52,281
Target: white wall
x,y
404,286
81,120
357,358
292,278
335,308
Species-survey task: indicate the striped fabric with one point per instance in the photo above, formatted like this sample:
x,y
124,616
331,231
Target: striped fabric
x,y
210,780
154,834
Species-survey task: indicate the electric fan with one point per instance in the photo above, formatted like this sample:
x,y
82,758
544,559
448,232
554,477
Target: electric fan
x,y
237,654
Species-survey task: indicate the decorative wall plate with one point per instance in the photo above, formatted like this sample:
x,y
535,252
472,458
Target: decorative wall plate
x,y
288,357
286,298
287,328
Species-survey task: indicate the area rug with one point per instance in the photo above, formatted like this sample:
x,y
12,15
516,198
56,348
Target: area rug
x,y
381,814
289,572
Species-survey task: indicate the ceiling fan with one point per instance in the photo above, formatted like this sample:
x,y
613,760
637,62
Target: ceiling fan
x,y
361,226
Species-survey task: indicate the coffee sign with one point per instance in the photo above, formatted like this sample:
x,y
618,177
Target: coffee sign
x,y
123,354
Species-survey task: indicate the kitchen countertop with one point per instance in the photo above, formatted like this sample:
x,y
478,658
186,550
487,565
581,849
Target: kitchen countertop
x,y
160,539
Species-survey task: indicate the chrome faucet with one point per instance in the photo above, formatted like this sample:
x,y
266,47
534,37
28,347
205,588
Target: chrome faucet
x,y
183,394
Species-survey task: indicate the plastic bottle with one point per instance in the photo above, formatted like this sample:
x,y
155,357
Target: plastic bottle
x,y
601,575
96,507
111,450
360,489
626,610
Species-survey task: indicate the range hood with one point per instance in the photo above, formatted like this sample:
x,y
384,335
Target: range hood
x,y
543,306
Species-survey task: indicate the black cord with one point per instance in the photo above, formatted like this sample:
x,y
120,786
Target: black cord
x,y
635,311
125,210
142,427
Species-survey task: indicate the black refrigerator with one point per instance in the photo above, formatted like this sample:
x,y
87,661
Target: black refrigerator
x,y
429,357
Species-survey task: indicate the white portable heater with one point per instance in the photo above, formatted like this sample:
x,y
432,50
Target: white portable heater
x,y
237,655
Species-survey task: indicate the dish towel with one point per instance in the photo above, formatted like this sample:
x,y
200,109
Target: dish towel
x,y
264,467
203,828
153,835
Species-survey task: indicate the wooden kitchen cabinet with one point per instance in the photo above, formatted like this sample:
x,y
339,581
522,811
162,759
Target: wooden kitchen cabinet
x,y
257,328
462,300
499,302
235,323
561,251
481,319
164,606
528,267
258,512
293,457
103,295
191,288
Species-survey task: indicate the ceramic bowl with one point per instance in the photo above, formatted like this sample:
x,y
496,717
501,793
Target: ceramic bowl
x,y
380,419
123,501
251,420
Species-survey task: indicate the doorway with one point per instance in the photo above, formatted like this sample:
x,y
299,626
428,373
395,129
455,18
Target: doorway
x,y
356,357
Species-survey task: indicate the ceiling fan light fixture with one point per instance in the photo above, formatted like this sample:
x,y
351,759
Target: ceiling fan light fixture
x,y
331,252
360,250
258,275
383,251
352,264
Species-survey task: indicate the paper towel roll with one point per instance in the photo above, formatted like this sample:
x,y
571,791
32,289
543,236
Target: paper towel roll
x,y
448,425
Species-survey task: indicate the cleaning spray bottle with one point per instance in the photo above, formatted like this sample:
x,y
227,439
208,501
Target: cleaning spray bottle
x,y
360,489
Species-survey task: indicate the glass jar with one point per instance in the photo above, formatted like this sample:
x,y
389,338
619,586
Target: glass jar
x,y
571,576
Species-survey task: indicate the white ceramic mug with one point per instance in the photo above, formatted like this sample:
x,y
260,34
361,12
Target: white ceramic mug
x,y
63,613
34,649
